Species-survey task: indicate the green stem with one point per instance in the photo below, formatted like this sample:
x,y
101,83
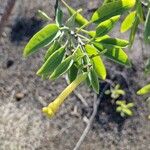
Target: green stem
x,y
85,25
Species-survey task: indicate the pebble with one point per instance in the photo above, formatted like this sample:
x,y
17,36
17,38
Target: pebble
x,y
19,96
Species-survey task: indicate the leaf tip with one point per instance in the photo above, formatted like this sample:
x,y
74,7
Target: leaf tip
x,y
139,92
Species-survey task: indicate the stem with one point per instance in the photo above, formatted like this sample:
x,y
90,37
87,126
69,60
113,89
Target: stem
x,y
85,25
83,37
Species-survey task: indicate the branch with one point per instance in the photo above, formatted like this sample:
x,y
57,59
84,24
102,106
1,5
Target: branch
x,y
5,15
95,108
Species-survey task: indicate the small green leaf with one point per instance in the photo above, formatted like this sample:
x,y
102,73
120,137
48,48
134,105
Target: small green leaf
x,y
55,46
62,68
43,15
133,30
119,109
79,18
128,22
97,62
144,90
94,80
92,33
98,39
108,1
130,105
78,56
72,73
41,38
127,111
147,27
59,17
113,41
104,27
88,81
115,54
111,9
140,12
52,62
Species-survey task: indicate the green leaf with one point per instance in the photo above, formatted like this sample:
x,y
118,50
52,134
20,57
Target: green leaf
x,y
59,17
111,9
88,83
130,105
79,18
144,90
55,46
119,109
94,80
133,30
52,62
127,111
113,53
140,12
147,27
78,56
90,33
104,27
113,41
62,68
72,73
128,22
71,21
97,62
108,1
41,38
43,15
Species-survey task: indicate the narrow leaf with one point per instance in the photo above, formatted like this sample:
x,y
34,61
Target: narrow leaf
x,y
79,18
133,30
97,62
59,17
147,27
127,111
41,38
113,41
113,53
55,46
43,15
104,27
111,9
94,80
62,68
144,90
128,22
72,73
52,62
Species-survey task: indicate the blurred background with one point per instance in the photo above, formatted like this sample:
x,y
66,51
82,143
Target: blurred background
x,y
23,94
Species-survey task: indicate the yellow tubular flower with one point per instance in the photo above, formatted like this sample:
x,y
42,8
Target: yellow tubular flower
x,y
52,108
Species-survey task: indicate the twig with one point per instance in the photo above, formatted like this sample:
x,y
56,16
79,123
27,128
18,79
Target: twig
x,y
8,9
95,108
79,96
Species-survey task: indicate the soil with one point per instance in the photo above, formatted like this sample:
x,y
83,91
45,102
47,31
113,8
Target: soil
x,y
23,94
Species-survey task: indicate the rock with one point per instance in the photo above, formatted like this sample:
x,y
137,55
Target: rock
x,y
19,96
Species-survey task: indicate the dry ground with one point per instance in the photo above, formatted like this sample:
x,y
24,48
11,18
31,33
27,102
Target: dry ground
x,y
23,94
